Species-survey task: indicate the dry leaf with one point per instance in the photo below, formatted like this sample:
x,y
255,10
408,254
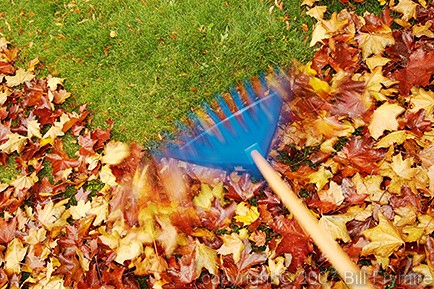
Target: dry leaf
x,y
384,119
385,238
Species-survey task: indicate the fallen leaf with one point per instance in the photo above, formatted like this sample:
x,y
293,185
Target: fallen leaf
x,y
420,30
320,178
246,214
232,244
15,143
15,253
385,239
206,258
115,153
333,195
335,225
417,72
407,8
53,82
20,77
376,41
384,119
421,99
317,12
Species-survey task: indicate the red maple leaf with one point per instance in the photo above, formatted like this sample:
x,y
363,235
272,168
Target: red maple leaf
x,y
294,241
416,122
6,68
241,188
348,98
7,230
417,72
60,160
360,154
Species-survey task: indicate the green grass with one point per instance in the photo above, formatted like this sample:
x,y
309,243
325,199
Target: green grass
x,y
167,57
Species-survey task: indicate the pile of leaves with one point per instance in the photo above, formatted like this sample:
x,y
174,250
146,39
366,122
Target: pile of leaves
x,y
355,144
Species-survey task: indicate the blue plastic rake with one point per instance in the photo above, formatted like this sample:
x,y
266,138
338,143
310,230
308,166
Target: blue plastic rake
x,y
240,137
225,139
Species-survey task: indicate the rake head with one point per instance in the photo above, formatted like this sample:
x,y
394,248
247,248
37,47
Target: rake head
x,y
222,134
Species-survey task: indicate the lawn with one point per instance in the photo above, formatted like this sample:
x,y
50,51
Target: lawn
x,y
144,63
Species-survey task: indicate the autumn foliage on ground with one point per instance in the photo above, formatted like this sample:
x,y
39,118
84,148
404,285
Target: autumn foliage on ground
x,y
356,143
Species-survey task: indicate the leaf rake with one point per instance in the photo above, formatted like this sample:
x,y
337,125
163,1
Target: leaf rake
x,y
236,131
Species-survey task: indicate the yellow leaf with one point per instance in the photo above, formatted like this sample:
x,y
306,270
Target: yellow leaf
x,y
376,61
20,77
24,182
246,215
206,196
431,179
427,223
109,239
106,176
152,263
427,272
405,215
15,253
33,129
168,236
407,8
317,12
325,29
385,239
115,152
35,236
396,137
276,268
375,42
3,96
79,211
129,248
427,156
32,64
412,234
4,43
57,129
53,82
99,209
321,87
384,118
335,225
232,244
421,99
53,215
376,81
420,30
205,258
403,167
333,195
46,141
15,143
330,127
320,178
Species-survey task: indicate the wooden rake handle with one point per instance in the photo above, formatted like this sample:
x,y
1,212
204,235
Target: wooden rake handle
x,y
349,272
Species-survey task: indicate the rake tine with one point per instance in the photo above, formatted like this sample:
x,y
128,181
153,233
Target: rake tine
x,y
216,130
208,109
226,110
245,118
236,97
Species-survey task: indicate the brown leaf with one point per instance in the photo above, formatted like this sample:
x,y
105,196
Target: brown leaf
x,y
417,72
360,153
294,241
7,230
